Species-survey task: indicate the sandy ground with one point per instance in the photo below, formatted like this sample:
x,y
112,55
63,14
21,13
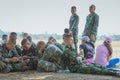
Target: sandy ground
x,y
33,75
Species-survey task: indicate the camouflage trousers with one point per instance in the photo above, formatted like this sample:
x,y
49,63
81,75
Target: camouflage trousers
x,y
8,67
2,66
91,69
31,63
78,67
46,66
75,37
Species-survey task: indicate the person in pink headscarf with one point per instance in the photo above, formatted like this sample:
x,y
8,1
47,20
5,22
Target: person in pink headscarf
x,y
104,53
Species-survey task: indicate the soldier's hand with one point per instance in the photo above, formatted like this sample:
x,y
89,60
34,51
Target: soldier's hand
x,y
92,37
14,59
78,54
26,57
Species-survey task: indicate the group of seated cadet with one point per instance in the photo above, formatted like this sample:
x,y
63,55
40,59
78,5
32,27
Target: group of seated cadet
x,y
51,56
10,59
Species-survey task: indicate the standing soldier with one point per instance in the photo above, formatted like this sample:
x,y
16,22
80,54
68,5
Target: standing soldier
x,y
73,25
91,25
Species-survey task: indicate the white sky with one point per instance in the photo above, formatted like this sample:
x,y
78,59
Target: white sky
x,y
52,16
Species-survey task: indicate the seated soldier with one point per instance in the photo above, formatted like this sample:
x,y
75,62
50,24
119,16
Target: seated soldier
x,y
51,60
70,60
66,32
13,38
25,35
10,59
53,41
29,54
32,43
40,50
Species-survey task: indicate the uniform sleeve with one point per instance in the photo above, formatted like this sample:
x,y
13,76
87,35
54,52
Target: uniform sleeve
x,y
16,53
39,54
75,23
81,47
85,26
46,54
96,23
6,60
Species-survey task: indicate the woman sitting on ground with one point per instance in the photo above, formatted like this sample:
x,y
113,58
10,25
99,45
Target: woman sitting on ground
x,y
104,53
87,49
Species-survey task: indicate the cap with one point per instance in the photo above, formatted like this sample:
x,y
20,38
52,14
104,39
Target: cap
x,y
85,38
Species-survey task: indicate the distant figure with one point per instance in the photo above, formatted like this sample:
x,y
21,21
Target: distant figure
x,y
4,39
51,40
32,43
91,26
104,53
73,25
25,35
67,31
13,38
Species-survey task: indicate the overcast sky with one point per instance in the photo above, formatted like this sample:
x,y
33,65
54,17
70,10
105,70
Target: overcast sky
x,y
52,16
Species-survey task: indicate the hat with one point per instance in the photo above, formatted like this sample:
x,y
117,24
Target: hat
x,y
85,38
108,40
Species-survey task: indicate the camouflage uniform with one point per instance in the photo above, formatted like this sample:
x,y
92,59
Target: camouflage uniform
x,y
18,49
91,25
32,61
51,60
71,61
73,26
33,44
5,62
60,46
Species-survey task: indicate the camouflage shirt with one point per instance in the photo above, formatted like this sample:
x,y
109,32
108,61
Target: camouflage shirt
x,y
31,52
6,54
91,26
73,23
53,54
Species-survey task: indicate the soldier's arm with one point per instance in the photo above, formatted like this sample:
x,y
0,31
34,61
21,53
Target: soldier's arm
x,y
85,26
16,53
75,23
81,51
39,55
95,26
6,60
